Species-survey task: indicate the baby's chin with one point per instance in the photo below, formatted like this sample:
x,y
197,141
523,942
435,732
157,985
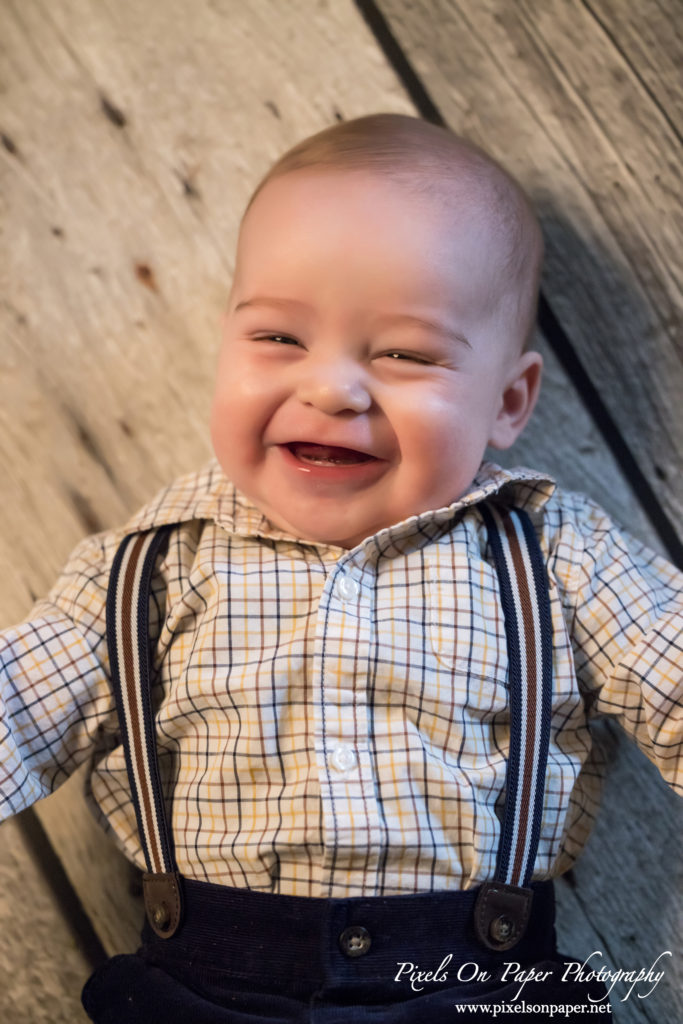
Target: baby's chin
x,y
313,527
318,523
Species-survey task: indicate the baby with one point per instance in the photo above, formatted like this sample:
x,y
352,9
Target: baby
x,y
331,702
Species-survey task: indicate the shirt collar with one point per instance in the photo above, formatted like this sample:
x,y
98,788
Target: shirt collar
x,y
208,494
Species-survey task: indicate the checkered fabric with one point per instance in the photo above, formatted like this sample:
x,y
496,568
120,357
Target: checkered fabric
x,y
336,723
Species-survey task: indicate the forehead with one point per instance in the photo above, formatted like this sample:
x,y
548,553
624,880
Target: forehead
x,y
347,221
316,192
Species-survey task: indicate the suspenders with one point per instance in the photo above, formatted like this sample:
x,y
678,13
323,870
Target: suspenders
x,y
130,661
503,905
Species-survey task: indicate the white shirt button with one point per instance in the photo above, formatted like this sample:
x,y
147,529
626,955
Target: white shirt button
x,y
344,758
347,588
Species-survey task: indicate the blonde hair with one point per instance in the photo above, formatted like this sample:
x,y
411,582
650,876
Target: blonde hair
x,y
436,162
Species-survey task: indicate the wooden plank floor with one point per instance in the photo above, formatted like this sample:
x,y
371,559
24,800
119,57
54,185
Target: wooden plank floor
x,y
42,968
132,135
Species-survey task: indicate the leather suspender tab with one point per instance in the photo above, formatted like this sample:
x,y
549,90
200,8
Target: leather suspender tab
x,y
162,902
501,914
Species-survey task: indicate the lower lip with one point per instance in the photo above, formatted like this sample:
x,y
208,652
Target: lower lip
x,y
358,472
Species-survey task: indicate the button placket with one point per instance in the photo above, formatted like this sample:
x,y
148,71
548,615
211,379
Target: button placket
x,y
344,756
343,650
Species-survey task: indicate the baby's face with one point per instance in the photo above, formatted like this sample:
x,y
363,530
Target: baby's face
x,y
364,366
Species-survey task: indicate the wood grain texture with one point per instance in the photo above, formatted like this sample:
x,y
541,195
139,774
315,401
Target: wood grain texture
x,y
42,970
108,885
562,440
131,137
647,34
541,84
624,896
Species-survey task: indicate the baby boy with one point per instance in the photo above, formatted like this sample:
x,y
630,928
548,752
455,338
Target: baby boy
x,y
330,699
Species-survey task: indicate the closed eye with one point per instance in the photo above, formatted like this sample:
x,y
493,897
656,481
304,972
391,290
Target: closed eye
x,y
410,357
278,339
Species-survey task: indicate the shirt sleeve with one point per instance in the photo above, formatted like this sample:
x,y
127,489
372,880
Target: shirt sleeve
x,y
628,638
54,680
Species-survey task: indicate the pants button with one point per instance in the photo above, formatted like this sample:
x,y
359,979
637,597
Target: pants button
x,y
355,941
501,928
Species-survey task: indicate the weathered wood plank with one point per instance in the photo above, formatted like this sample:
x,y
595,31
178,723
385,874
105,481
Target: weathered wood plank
x,y
109,886
542,86
42,970
648,36
124,212
563,440
621,894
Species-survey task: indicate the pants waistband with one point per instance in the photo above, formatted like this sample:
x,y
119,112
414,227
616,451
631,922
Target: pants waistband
x,y
245,934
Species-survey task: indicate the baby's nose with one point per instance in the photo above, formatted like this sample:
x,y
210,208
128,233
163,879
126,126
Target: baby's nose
x,y
334,388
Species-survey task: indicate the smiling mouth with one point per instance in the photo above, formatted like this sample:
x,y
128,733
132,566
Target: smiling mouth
x,y
328,455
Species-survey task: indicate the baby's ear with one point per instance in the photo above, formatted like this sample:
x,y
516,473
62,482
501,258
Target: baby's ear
x,y
518,399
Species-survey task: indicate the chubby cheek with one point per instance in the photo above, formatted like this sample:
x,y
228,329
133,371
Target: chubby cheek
x,y
442,446
244,402
234,433
223,438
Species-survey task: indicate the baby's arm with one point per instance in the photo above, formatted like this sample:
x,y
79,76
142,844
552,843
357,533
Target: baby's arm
x,y
54,680
628,639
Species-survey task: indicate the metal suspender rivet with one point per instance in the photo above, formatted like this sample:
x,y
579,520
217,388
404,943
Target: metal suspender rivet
x,y
130,659
503,906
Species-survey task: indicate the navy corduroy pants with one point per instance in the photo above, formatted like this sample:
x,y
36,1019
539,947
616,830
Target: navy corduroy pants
x,y
244,957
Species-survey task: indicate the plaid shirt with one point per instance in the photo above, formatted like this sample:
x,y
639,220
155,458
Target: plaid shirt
x,y
335,722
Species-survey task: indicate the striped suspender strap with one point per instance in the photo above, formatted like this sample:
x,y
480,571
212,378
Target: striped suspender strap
x,y
503,906
128,600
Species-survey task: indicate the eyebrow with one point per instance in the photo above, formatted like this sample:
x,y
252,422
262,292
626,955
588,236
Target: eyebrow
x,y
264,300
387,319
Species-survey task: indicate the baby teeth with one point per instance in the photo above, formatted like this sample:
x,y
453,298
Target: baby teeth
x,y
322,455
318,460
